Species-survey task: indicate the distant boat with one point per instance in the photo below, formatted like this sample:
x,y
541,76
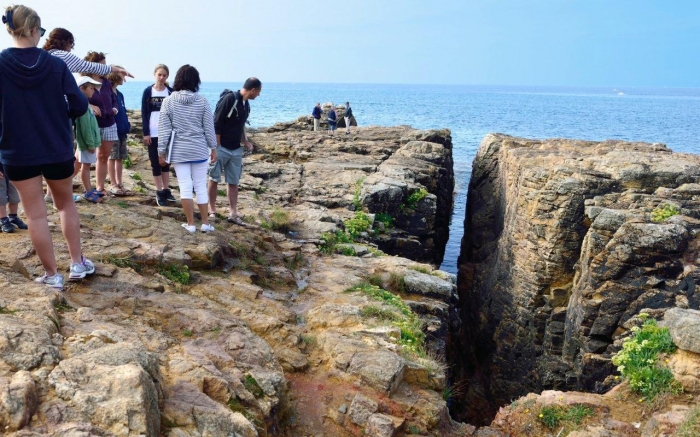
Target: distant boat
x,y
620,93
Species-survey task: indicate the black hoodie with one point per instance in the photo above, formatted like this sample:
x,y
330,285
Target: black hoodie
x,y
229,122
39,96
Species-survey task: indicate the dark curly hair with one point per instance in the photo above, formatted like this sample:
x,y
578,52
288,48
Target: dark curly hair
x,y
59,39
95,57
187,78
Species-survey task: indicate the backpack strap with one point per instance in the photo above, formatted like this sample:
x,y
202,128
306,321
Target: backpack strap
x,y
235,105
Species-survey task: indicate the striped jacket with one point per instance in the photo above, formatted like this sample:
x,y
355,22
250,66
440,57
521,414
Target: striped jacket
x,y
77,65
190,116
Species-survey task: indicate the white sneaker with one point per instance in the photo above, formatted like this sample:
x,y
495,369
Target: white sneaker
x,y
55,281
207,228
80,270
191,229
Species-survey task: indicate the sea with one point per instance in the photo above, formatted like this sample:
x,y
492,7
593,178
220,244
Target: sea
x,y
658,115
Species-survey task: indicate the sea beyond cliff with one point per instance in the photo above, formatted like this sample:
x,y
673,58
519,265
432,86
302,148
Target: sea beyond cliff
x,y
664,115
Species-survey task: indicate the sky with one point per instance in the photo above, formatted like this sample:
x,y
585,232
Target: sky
x,y
474,42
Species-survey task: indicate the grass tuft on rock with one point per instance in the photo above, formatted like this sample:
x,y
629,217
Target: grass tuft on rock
x,y
278,221
412,338
568,417
252,386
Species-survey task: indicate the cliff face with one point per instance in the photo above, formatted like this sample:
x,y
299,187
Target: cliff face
x,y
559,253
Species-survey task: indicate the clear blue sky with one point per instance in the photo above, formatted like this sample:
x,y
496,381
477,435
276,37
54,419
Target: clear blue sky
x,y
495,42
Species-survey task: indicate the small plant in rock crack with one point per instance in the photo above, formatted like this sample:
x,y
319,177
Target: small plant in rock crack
x,y
179,274
663,212
638,361
416,197
252,386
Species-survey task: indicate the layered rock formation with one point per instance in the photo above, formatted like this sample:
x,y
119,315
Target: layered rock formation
x,y
620,412
245,331
559,253
404,174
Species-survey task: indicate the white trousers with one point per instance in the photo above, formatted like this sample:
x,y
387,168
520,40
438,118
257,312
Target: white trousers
x,y
347,123
317,124
193,177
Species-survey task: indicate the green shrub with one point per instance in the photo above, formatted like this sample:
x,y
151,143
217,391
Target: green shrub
x,y
357,225
126,261
179,274
356,194
187,332
637,361
136,177
221,193
554,416
386,219
416,197
662,213
347,251
330,240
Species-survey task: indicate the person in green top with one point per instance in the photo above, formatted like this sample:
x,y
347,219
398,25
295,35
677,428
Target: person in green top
x,y
87,134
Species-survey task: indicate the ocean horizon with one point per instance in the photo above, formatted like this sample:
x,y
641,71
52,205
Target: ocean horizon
x,y
650,114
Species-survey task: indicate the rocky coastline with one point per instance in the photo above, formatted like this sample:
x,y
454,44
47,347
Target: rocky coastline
x,y
280,327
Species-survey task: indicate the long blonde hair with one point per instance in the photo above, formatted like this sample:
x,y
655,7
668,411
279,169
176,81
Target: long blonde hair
x,y
21,21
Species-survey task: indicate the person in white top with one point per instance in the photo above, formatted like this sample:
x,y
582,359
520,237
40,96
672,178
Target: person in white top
x,y
151,102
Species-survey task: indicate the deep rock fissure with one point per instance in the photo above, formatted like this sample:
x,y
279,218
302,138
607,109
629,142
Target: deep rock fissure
x,y
559,253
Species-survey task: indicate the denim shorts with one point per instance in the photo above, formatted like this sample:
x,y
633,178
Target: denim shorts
x,y
230,162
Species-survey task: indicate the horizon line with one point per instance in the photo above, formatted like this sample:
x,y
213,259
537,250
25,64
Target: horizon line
x,y
451,84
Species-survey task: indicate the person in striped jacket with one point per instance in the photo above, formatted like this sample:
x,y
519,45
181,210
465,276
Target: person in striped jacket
x,y
187,141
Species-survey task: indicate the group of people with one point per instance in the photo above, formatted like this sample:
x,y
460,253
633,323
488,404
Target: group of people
x,y
332,118
42,102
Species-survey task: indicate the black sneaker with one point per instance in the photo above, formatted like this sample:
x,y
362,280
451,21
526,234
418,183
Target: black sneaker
x,y
169,195
18,222
160,198
7,227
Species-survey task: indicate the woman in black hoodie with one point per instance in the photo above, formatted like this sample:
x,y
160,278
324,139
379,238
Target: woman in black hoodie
x,y
35,138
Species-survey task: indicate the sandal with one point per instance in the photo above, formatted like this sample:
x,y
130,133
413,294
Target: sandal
x,y
236,219
116,191
93,196
212,215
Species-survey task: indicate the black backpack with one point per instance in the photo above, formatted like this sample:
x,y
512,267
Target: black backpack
x,y
225,93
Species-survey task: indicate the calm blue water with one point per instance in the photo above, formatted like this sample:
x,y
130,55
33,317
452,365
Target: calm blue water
x,y
665,115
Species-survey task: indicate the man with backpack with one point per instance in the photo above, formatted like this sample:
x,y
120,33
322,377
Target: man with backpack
x,y
230,117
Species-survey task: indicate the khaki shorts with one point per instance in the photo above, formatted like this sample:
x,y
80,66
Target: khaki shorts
x,y
230,162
